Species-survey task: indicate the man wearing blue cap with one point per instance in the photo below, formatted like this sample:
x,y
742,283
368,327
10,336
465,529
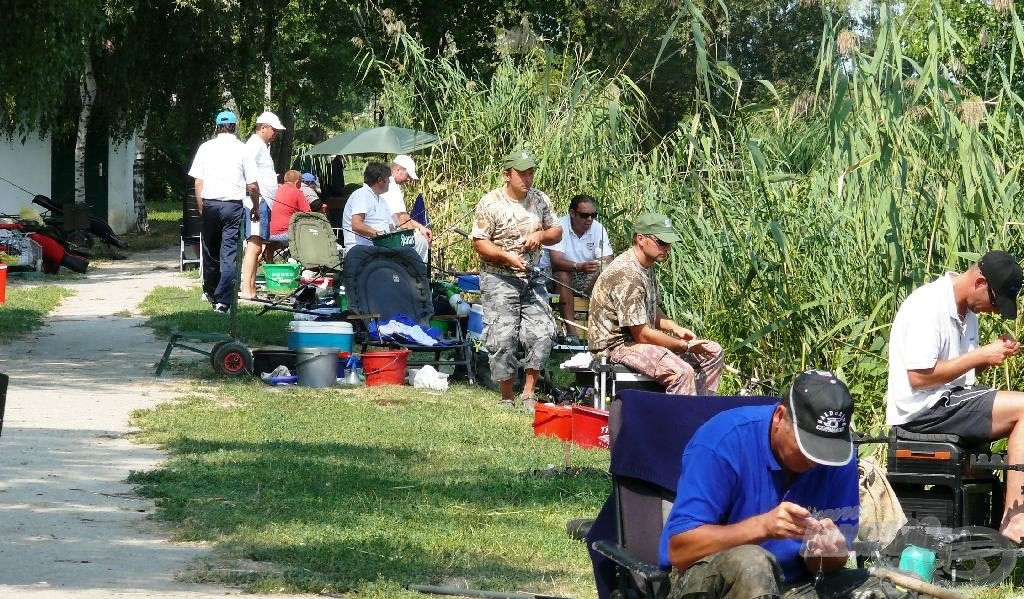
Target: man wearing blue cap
x,y
225,174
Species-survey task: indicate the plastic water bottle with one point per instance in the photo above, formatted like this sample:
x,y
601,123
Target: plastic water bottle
x,y
458,304
919,560
353,371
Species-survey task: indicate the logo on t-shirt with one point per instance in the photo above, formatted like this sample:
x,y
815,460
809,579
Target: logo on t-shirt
x,y
832,422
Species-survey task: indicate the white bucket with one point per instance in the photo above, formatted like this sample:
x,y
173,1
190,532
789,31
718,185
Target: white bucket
x,y
317,366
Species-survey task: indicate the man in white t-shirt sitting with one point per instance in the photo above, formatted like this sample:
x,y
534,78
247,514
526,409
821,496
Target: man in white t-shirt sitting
x,y
935,353
366,213
403,170
580,256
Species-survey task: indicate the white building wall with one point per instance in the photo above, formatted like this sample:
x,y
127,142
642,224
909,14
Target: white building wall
x,y
120,203
24,162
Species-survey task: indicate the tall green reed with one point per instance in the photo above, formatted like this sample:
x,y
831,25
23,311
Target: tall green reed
x,y
805,221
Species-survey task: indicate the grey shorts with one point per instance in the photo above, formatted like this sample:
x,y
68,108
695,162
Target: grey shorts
x,y
963,411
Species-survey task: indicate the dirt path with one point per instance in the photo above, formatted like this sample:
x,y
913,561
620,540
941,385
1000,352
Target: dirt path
x,y
69,525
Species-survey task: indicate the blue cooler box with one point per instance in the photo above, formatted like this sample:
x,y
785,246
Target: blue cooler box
x,y
313,333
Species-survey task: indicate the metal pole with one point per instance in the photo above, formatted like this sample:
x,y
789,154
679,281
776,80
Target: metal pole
x,y
459,592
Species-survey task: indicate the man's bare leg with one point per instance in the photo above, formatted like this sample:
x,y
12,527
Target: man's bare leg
x,y
250,261
1008,421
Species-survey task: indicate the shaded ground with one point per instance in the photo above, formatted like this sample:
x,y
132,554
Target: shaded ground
x,y
69,525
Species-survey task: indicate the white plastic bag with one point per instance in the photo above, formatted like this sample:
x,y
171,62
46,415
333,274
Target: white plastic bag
x,y
429,378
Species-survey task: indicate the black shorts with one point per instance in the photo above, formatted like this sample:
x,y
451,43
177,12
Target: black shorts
x,y
963,411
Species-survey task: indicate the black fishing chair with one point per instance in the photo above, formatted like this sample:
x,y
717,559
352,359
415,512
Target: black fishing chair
x,y
190,227
4,379
648,434
382,283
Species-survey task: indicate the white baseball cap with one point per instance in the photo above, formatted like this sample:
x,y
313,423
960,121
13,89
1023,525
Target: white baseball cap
x,y
269,118
405,161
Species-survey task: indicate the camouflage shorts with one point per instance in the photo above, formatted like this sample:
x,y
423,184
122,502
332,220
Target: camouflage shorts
x,y
515,311
751,571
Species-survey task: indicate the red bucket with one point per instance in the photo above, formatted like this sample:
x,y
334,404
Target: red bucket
x,y
552,420
386,367
590,427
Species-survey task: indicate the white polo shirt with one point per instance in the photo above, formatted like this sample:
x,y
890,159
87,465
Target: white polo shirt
x,y
927,329
394,197
592,245
375,213
265,175
225,167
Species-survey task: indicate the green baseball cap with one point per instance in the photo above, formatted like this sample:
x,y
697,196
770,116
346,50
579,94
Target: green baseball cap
x,y
659,225
521,160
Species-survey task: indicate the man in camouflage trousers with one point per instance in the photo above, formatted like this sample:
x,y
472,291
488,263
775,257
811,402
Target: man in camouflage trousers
x,y
628,326
511,226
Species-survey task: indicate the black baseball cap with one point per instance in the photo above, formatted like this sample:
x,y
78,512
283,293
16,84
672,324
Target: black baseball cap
x,y
821,407
1004,278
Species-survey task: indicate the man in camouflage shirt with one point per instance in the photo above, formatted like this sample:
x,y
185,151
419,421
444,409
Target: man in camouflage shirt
x,y
512,224
627,325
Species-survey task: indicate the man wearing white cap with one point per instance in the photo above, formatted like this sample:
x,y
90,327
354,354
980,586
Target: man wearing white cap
x,y
403,170
257,223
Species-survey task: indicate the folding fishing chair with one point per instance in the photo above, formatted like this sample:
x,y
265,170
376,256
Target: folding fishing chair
x,y
648,434
4,379
190,227
382,283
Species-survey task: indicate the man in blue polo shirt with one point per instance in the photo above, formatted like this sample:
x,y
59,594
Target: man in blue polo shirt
x,y
768,498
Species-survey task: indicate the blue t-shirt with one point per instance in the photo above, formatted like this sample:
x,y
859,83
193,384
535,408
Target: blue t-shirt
x,y
729,474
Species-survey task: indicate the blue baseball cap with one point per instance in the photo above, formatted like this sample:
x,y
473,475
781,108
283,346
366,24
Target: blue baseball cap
x,y
309,177
226,117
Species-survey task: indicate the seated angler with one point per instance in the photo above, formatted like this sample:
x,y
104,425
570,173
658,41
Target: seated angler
x,y
628,326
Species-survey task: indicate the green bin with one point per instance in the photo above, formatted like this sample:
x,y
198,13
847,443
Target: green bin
x,y
282,277
397,240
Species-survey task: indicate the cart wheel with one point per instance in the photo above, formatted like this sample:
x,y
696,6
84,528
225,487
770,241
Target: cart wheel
x,y
232,359
213,353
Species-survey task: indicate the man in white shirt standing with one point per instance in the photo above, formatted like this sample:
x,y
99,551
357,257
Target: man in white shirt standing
x,y
580,256
257,223
225,175
403,170
366,213
935,353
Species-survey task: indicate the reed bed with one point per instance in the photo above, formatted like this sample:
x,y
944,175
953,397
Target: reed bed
x,y
806,220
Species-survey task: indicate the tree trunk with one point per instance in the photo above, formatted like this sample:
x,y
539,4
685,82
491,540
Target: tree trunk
x,y
87,91
139,180
286,139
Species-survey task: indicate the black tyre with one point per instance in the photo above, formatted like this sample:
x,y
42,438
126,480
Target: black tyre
x,y
232,359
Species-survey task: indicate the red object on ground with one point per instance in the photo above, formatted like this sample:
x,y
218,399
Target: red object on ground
x,y
53,251
590,427
385,367
3,287
552,420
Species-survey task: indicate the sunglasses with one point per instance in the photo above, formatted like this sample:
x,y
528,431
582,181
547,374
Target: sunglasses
x,y
586,215
665,244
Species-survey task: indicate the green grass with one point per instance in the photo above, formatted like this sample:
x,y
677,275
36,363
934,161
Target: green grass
x,y
360,491
163,225
26,308
174,308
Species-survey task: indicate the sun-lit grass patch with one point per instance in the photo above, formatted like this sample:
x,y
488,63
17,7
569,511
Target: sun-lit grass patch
x,y
360,491
26,308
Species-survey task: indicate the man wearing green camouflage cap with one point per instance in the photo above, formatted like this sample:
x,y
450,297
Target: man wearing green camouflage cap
x,y
628,326
512,225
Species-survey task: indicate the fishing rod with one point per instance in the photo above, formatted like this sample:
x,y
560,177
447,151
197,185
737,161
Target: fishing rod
x,y
537,270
